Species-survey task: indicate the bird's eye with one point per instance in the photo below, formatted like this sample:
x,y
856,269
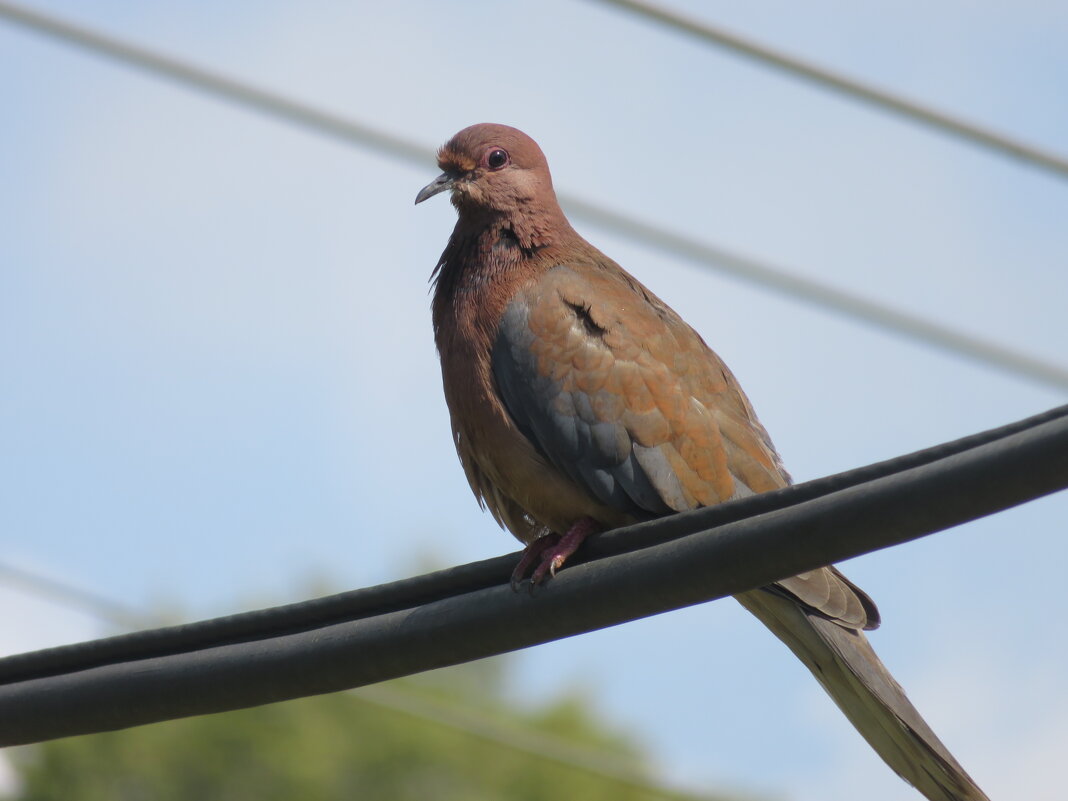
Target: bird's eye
x,y
496,158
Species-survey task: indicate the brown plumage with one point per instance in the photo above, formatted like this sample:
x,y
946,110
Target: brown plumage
x,y
580,401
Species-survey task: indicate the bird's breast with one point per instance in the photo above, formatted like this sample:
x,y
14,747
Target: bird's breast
x,y
505,468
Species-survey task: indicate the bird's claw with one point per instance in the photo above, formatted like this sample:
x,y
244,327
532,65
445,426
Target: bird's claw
x,y
547,554
534,555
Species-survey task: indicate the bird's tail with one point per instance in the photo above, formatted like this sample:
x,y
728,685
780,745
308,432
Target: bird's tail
x,y
847,667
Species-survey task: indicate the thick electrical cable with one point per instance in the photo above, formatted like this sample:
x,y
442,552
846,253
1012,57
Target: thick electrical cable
x,y
734,557
412,592
465,719
723,260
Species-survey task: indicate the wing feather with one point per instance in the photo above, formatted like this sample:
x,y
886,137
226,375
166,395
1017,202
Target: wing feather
x,y
622,396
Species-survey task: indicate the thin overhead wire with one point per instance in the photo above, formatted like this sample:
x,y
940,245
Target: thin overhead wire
x,y
68,595
993,141
596,761
910,326
928,332
217,84
43,698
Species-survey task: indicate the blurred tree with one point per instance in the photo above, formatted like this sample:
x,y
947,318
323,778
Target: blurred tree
x,y
454,738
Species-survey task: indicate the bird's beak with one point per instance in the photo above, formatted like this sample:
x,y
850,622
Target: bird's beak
x,y
439,184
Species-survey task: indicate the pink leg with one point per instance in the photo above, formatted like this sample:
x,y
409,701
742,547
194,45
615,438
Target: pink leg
x,y
551,552
532,555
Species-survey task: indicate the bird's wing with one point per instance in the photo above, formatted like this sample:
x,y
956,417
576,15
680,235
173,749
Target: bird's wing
x,y
621,395
627,400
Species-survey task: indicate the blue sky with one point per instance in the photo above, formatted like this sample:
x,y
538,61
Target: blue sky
x,y
220,382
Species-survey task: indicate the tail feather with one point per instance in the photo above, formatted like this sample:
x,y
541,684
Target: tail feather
x,y
846,665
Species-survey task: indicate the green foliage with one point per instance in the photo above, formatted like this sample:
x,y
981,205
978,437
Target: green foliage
x,y
345,746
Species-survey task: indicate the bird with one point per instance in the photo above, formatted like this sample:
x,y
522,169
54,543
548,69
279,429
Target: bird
x,y
581,402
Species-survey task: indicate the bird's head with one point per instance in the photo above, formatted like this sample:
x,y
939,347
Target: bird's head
x,y
492,168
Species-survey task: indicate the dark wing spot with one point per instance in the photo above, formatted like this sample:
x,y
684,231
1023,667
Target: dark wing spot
x,y
582,314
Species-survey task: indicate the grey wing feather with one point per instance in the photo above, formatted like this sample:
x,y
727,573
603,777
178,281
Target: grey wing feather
x,y
562,424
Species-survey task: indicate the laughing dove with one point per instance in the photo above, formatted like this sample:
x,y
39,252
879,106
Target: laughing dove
x,y
580,402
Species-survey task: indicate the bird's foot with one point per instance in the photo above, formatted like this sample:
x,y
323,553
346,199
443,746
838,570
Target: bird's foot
x,y
532,555
550,552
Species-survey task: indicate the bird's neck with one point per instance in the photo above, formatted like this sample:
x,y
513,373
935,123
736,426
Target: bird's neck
x,y
488,257
490,247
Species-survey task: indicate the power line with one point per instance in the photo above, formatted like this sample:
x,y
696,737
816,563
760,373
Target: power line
x,y
67,594
910,326
926,115
217,84
446,629
412,592
794,286
619,769
464,719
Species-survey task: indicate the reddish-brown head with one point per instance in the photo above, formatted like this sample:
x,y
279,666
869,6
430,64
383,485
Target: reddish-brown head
x,y
492,168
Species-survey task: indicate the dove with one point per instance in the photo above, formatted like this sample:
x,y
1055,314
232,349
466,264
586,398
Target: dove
x,y
581,402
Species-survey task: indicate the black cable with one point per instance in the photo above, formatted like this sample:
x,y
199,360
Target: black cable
x,y
943,487
456,716
411,592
